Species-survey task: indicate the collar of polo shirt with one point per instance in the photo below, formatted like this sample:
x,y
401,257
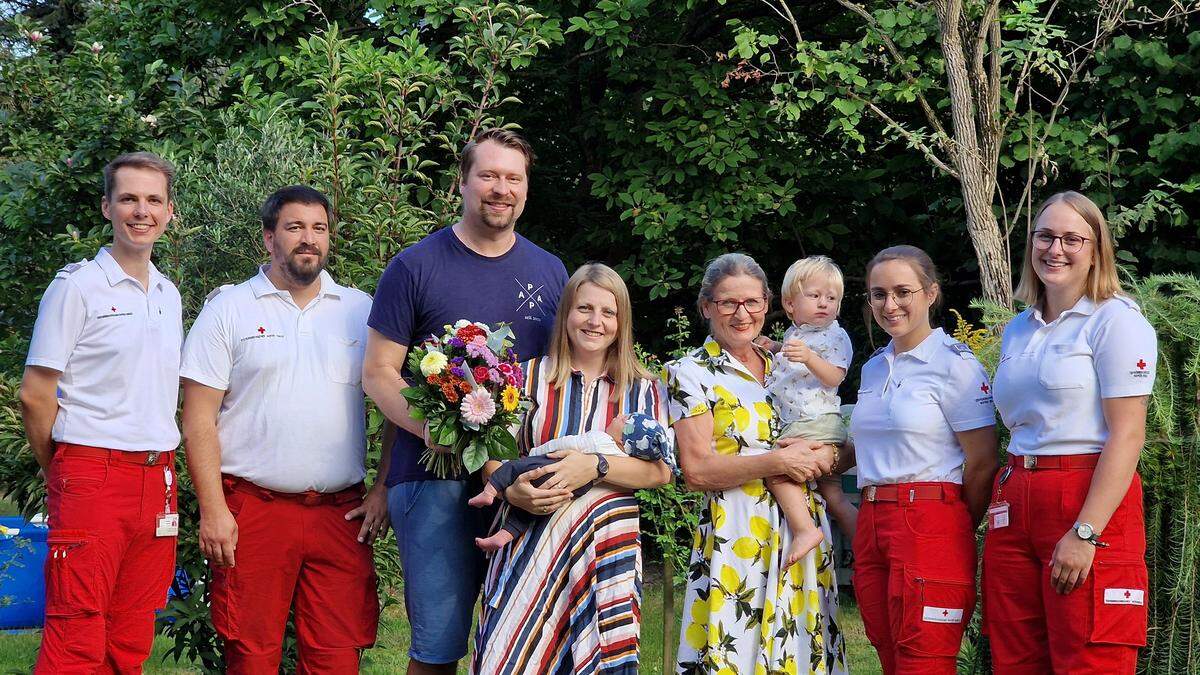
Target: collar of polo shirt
x,y
114,273
261,285
923,352
1086,306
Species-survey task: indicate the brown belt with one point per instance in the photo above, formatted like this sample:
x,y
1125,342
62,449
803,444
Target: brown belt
x,y
307,498
1037,462
906,493
142,457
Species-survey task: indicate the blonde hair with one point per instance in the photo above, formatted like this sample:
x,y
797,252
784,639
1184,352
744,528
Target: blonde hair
x,y
621,363
806,269
1102,280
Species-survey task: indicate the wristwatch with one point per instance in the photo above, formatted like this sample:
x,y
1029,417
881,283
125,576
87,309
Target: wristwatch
x,y
601,467
1086,532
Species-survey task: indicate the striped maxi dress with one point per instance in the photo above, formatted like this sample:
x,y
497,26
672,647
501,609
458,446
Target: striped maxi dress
x,y
565,596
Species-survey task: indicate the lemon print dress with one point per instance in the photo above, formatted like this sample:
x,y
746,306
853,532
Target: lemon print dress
x,y
743,614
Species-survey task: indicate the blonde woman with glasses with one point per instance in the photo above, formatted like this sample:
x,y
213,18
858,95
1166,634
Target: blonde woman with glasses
x,y
1065,580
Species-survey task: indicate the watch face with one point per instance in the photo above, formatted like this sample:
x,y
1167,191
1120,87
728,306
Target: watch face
x,y
1084,531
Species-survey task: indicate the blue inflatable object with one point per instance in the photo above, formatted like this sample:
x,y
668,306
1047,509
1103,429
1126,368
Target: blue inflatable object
x,y
22,587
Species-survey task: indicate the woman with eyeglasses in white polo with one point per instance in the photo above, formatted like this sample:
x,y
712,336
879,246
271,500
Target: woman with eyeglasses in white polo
x,y
923,434
1065,582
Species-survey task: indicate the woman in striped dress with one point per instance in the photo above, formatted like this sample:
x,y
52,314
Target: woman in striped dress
x,y
564,596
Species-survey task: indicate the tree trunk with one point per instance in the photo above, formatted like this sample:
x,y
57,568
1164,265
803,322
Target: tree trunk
x,y
976,167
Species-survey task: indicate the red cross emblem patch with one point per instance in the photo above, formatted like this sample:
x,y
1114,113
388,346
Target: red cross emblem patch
x,y
1141,364
261,330
985,388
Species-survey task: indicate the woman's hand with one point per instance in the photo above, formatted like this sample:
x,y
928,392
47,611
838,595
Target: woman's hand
x,y
532,499
1071,563
572,471
803,460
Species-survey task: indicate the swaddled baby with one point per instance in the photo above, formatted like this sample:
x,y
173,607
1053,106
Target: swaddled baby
x,y
637,435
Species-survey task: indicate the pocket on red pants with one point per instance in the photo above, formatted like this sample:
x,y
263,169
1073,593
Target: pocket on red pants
x,y
936,613
71,568
223,601
1120,593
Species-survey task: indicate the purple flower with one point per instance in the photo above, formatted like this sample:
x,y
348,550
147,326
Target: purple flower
x,y
455,342
458,360
496,376
457,372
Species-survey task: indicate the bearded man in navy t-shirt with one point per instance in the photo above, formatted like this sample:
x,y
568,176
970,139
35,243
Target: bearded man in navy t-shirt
x,y
481,270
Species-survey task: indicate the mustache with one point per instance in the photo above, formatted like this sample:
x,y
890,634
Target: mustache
x,y
306,249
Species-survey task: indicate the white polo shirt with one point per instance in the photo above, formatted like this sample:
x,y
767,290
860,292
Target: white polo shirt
x,y
117,346
909,407
293,416
1052,376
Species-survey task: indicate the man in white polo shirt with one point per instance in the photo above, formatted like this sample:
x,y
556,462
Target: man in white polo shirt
x,y
275,430
98,400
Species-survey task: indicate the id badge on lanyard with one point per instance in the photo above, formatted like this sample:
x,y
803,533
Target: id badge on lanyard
x,y
997,512
167,522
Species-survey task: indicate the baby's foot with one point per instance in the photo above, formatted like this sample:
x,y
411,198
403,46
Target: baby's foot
x,y
803,541
495,542
485,497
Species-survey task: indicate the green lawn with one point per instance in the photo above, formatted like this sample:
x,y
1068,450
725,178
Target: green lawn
x,y
17,650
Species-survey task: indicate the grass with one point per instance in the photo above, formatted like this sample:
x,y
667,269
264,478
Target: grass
x,y
390,655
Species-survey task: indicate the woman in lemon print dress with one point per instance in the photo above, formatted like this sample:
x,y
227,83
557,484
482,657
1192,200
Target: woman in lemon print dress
x,y
744,614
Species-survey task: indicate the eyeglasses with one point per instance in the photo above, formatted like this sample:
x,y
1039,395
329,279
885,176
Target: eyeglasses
x,y
730,307
902,296
1071,243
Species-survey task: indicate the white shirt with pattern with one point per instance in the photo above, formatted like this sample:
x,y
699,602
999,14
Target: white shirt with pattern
x,y
796,393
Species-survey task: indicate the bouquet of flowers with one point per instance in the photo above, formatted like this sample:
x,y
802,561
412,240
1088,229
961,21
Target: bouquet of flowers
x,y
470,396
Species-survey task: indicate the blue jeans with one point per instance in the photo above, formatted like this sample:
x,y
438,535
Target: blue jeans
x,y
443,569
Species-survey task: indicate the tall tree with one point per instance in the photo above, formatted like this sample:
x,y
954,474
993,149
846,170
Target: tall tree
x,y
968,94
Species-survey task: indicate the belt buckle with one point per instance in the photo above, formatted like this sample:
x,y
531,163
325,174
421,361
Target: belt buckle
x,y
152,457
311,498
869,493
1030,461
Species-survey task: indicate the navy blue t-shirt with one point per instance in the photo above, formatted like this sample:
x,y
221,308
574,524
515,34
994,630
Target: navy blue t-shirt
x,y
438,281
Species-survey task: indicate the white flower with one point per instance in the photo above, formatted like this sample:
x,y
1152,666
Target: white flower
x,y
433,363
150,119
36,36
96,47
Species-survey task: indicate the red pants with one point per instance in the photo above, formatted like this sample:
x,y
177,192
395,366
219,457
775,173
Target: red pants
x,y
289,551
914,576
1095,628
107,572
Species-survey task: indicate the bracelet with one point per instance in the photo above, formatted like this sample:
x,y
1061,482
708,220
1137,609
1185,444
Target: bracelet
x,y
837,457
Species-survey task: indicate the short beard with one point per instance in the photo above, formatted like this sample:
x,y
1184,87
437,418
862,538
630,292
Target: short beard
x,y
498,222
303,275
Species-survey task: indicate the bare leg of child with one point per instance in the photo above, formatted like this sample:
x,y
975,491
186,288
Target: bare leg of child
x,y
793,501
495,542
485,497
838,504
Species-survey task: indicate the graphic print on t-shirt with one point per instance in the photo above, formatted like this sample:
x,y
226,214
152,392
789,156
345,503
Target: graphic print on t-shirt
x,y
530,301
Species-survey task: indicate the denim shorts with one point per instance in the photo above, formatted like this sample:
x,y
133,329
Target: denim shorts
x,y
443,569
